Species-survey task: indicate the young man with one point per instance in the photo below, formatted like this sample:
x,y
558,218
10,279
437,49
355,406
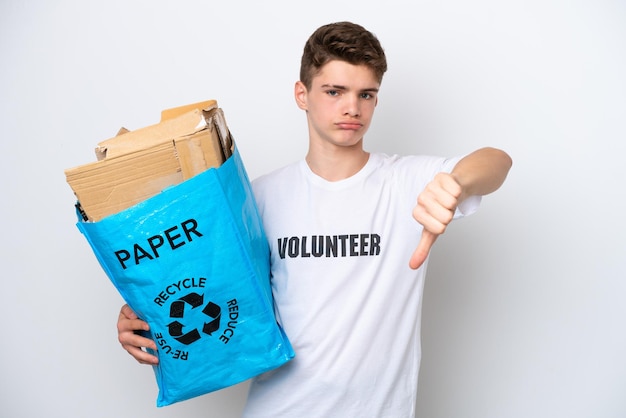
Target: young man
x,y
350,232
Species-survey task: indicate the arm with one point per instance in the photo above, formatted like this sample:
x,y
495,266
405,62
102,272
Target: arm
x,y
127,324
478,173
481,172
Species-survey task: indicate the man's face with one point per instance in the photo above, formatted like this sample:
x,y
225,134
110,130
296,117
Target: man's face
x,y
340,103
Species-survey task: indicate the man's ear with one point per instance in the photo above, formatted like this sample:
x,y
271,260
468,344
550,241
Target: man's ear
x,y
300,94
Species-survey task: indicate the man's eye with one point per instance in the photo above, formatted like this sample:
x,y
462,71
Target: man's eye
x,y
332,92
366,95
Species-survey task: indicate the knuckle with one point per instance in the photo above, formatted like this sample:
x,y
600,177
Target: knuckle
x,y
439,229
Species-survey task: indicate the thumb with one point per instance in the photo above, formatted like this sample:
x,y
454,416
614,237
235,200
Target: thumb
x,y
423,248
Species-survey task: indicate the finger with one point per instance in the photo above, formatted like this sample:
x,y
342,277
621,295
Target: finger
x,y
126,325
449,184
127,312
423,248
142,356
135,338
134,344
129,321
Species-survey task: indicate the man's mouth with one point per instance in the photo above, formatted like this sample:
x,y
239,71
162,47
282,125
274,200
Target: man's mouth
x,y
349,125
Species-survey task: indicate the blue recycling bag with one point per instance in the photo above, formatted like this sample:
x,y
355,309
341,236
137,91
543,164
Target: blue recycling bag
x,y
193,262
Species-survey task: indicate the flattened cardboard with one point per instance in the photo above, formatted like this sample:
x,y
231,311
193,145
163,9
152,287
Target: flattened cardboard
x,y
136,165
112,185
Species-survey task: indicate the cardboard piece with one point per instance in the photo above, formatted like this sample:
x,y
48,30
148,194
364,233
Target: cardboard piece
x,y
181,110
136,165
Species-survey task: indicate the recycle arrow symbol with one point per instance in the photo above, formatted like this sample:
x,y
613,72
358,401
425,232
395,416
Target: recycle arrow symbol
x,y
176,331
214,311
177,310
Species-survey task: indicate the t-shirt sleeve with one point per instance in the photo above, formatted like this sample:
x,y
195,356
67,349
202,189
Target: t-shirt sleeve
x,y
418,171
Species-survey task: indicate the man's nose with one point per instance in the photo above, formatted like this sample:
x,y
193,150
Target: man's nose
x,y
352,106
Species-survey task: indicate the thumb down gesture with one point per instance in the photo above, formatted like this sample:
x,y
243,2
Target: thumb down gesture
x,y
434,211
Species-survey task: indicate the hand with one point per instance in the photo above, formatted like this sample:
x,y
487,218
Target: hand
x,y
127,324
434,211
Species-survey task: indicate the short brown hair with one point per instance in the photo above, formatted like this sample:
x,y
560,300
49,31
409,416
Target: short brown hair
x,y
343,41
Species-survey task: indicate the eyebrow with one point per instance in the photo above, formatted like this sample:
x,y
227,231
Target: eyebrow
x,y
340,87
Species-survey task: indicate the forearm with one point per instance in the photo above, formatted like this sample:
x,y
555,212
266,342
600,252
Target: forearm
x,y
481,172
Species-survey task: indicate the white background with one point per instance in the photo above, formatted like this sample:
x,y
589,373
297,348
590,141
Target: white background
x,y
524,312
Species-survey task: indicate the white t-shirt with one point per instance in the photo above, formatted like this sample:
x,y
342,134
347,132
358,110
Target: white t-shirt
x,y
344,292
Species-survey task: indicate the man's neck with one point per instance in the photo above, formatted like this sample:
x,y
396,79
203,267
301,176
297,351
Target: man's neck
x,y
337,163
